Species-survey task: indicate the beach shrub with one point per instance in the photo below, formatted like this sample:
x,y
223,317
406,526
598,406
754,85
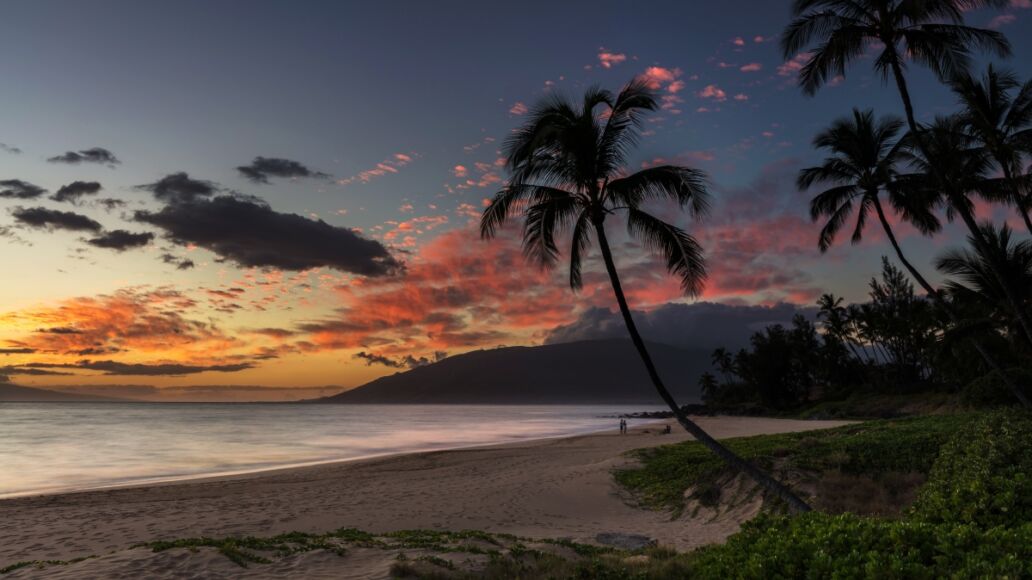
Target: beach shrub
x,y
982,476
817,545
872,448
990,389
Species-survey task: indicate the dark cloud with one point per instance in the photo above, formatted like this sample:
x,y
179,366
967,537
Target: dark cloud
x,y
9,149
28,370
92,155
262,168
75,190
18,189
705,325
180,263
110,367
17,350
110,203
248,232
41,217
179,188
121,240
406,362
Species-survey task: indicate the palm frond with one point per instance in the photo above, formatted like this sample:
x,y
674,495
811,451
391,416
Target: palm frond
x,y
683,254
688,187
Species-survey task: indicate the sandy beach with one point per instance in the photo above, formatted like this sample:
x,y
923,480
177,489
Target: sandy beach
x,y
557,488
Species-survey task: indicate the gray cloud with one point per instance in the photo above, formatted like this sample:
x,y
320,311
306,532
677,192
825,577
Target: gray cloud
x,y
92,155
405,362
9,149
262,168
121,240
705,325
110,367
250,233
18,189
180,263
41,217
180,188
76,190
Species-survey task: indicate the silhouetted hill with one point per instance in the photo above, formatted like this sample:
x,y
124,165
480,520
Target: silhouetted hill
x,y
14,393
603,372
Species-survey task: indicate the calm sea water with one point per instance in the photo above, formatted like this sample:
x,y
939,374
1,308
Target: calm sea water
x,y
50,447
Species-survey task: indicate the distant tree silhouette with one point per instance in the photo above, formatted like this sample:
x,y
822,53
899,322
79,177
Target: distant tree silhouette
x,y
929,32
566,168
999,120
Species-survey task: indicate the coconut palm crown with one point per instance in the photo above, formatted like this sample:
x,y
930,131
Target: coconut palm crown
x,y
567,171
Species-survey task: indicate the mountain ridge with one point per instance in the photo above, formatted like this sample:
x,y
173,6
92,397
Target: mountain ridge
x,y
581,372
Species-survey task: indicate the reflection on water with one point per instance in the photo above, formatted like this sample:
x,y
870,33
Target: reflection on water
x,y
66,446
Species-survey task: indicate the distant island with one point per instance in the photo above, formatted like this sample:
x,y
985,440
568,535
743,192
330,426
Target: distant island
x,y
584,372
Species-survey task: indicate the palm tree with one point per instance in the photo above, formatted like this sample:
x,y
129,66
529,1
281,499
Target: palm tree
x,y
835,318
865,156
721,358
929,32
950,168
975,281
566,168
1001,123
864,162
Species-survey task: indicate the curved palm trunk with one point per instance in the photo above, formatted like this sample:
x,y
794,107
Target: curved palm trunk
x,y
1019,201
765,481
934,294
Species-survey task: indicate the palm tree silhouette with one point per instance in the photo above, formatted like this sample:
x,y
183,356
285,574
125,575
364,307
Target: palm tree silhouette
x,y
929,32
865,156
973,270
566,169
1001,123
864,162
951,169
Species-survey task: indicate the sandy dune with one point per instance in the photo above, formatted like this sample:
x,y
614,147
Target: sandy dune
x,y
546,489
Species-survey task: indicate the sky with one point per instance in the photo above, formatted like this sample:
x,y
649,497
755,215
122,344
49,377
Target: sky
x,y
174,246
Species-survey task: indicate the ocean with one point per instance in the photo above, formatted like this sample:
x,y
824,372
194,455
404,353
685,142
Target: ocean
x,y
58,447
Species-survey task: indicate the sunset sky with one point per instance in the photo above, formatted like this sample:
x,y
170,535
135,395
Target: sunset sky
x,y
202,259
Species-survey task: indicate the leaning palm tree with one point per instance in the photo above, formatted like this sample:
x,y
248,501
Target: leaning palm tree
x,y
566,168
864,163
1000,121
929,32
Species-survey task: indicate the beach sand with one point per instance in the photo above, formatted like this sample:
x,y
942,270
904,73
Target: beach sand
x,y
556,488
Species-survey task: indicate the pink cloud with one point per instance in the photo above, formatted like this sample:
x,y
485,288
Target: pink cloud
x,y
675,87
738,41
390,165
751,67
792,67
1002,20
656,76
741,97
460,171
518,108
608,59
713,92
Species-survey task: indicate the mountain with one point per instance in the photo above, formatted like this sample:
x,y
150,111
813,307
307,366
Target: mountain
x,y
601,371
14,393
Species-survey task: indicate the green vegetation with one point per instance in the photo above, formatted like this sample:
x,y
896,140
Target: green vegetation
x,y
873,448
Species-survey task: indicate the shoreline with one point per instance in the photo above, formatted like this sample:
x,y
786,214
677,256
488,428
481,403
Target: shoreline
x,y
545,488
185,479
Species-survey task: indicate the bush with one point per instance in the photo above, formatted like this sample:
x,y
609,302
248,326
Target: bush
x,y
818,545
990,390
983,475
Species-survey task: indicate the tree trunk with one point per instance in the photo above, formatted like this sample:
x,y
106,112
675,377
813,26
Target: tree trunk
x,y
765,481
934,294
908,107
1019,200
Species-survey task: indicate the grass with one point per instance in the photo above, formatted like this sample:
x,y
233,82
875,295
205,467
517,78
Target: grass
x,y
870,448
